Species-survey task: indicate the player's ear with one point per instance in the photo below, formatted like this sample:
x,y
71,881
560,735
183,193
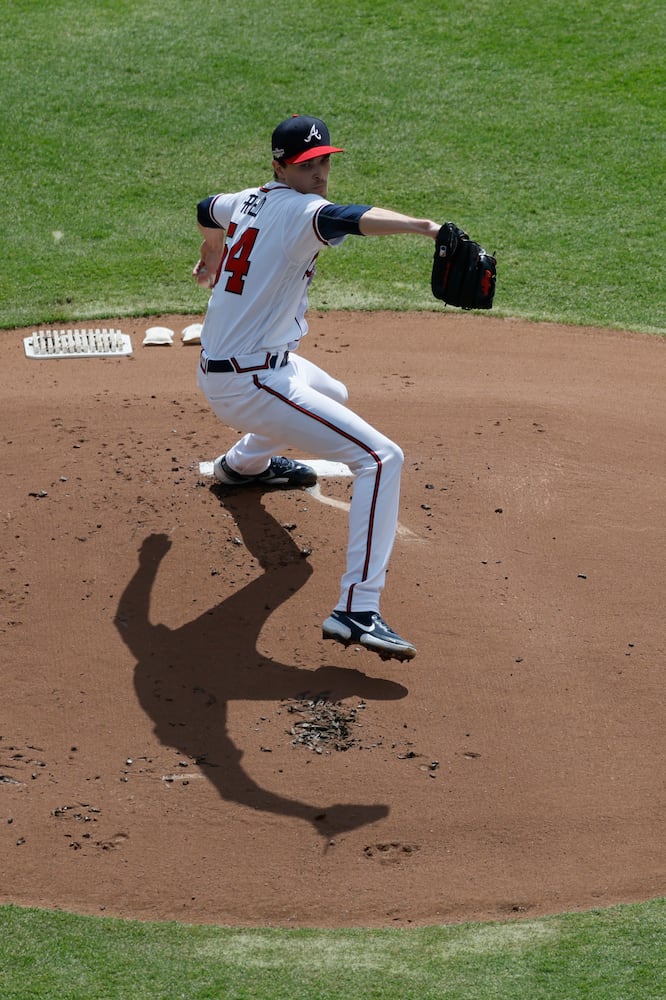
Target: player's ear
x,y
278,169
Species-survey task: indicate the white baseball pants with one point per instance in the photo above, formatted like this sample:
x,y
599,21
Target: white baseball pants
x,y
300,406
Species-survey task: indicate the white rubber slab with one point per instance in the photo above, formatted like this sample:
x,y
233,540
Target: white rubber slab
x,y
321,467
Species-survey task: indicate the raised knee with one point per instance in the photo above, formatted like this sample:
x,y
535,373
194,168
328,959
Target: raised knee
x,y
390,455
384,453
394,454
340,392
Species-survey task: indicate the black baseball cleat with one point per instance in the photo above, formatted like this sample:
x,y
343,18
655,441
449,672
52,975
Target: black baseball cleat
x,y
368,629
282,472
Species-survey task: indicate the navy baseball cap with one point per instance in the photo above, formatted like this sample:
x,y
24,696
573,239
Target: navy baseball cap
x,y
301,138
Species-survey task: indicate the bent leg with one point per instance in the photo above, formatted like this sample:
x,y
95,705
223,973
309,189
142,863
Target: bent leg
x,y
281,408
324,427
252,453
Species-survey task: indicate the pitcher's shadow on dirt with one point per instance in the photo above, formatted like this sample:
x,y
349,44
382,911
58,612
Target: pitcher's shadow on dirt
x,y
185,676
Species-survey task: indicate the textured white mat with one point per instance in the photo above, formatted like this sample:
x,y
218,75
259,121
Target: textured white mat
x,y
77,344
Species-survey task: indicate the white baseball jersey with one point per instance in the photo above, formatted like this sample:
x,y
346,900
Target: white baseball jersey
x,y
258,304
260,298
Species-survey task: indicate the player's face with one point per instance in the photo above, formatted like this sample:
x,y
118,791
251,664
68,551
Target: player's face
x,y
310,177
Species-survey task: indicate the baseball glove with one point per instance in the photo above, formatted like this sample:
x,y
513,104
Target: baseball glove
x,y
463,274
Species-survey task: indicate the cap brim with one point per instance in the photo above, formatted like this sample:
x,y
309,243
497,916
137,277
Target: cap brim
x,y
310,154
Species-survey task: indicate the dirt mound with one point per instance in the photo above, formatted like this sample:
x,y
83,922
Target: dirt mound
x,y
155,633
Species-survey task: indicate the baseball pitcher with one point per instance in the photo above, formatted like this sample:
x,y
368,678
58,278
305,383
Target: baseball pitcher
x,y
259,252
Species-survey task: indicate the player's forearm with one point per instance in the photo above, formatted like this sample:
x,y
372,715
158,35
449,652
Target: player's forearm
x,y
210,255
385,222
213,240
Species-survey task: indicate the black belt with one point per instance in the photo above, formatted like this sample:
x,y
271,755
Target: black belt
x,y
232,365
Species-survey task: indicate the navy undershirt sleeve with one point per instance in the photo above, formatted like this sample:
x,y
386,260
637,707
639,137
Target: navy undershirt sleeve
x,y
334,221
204,216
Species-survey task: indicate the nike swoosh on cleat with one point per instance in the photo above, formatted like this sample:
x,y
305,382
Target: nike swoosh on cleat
x,y
365,628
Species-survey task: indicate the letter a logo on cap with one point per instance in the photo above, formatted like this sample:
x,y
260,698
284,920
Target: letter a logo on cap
x,y
314,134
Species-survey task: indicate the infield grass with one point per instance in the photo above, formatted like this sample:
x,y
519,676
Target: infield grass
x,y
615,954
536,126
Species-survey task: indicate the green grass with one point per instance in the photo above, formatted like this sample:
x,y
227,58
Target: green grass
x,y
538,127
615,954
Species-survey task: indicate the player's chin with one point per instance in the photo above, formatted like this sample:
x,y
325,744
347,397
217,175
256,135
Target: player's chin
x,y
321,189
